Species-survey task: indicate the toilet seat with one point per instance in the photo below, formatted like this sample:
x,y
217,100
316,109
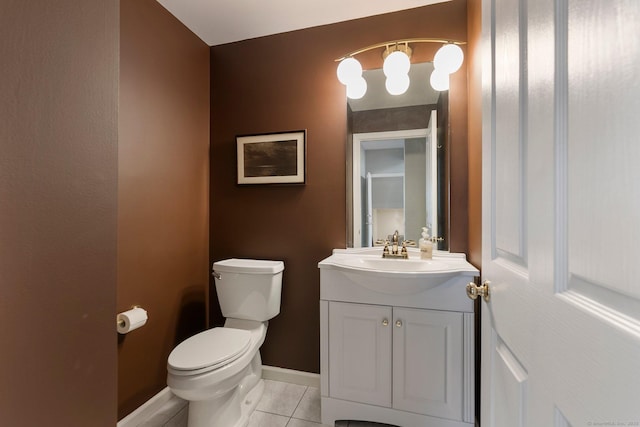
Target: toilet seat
x,y
208,350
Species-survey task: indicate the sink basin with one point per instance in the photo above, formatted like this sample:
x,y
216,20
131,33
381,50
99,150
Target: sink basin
x,y
367,268
376,263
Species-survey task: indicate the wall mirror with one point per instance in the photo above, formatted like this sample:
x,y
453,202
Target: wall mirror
x,y
397,161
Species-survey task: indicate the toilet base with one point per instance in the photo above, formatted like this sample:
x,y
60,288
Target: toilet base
x,y
250,403
234,408
198,419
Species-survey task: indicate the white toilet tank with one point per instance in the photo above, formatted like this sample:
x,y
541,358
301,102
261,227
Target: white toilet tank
x,y
248,288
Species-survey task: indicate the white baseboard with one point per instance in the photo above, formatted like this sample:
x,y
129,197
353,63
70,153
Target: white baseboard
x,y
149,409
291,376
163,400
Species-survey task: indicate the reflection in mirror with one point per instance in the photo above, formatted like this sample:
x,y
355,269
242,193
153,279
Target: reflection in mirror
x,y
398,161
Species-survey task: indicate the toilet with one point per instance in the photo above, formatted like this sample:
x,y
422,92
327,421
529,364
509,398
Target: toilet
x,y
219,371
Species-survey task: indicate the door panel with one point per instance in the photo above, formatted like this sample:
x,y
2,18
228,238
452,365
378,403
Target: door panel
x,y
510,387
561,332
360,353
509,144
427,362
603,153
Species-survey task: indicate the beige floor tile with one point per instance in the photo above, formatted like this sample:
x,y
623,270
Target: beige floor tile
x,y
280,398
309,407
263,419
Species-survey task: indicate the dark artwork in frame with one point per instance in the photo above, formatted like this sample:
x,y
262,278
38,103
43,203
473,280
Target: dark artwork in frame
x,y
271,158
275,158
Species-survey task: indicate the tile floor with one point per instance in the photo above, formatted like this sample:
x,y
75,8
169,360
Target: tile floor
x,y
282,405
292,405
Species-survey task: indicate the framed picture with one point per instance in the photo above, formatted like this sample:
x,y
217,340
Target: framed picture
x,y
275,158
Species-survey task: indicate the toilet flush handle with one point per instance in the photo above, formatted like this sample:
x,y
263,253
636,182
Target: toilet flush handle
x,y
216,275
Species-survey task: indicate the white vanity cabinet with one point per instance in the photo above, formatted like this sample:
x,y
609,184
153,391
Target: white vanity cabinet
x,y
401,359
396,357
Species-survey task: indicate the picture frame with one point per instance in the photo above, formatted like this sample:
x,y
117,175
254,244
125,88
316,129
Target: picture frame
x,y
272,158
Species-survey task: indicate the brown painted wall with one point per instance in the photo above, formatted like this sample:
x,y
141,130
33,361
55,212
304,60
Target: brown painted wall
x,y
58,182
288,82
458,159
163,192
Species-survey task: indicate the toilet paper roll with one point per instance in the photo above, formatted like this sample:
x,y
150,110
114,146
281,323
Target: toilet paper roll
x,y
131,319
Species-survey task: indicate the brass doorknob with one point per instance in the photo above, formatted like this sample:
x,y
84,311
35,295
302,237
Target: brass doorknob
x,y
474,291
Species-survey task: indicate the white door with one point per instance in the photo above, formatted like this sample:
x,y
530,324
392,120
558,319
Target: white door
x,y
561,213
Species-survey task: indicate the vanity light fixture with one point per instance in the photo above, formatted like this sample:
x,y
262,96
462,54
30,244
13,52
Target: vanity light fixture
x,y
397,62
439,80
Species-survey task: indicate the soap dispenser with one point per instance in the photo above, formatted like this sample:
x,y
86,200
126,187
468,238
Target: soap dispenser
x,y
426,245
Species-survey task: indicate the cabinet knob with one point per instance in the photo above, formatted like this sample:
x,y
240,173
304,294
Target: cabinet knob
x,y
398,323
385,322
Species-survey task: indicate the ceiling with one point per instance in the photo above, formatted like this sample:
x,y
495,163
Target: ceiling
x,y
224,21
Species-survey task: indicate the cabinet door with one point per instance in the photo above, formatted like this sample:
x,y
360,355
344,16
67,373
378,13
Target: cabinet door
x,y
360,353
427,362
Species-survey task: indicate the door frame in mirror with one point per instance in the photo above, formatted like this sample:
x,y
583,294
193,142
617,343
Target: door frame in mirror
x,y
358,138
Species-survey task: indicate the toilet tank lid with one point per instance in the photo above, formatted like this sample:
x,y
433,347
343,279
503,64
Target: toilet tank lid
x,y
248,266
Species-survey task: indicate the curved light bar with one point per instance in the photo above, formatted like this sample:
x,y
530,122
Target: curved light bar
x,y
399,42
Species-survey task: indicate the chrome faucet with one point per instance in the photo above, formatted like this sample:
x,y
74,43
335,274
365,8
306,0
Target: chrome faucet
x,y
395,252
394,243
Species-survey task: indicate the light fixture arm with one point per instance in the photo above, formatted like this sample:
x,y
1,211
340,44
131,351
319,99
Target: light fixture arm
x,y
398,42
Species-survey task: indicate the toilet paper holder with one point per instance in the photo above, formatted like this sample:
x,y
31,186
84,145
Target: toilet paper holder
x,y
120,322
131,319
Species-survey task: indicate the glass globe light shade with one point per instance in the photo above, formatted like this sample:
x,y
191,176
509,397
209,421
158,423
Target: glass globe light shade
x,y
439,80
397,85
357,88
349,70
396,64
448,58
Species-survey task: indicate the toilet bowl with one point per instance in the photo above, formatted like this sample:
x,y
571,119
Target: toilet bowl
x,y
219,371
